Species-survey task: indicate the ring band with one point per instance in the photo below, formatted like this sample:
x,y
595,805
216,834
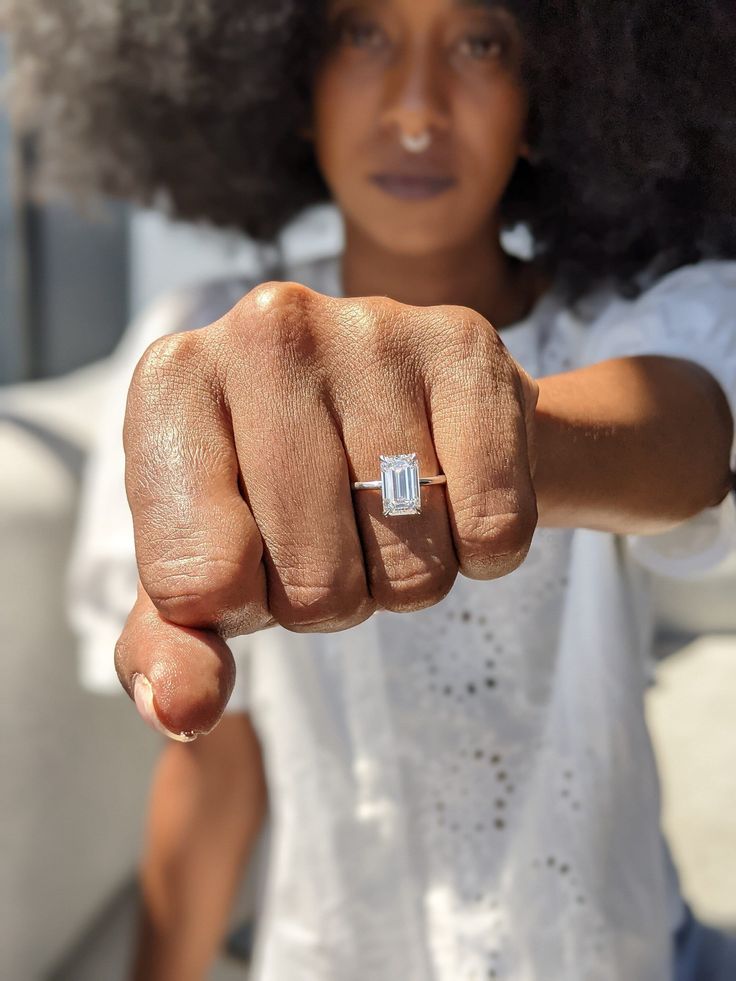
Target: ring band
x,y
400,484
378,485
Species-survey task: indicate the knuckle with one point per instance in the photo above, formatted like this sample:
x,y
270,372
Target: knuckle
x,y
168,357
175,373
196,590
465,333
469,331
378,330
278,318
316,599
411,589
306,605
465,348
273,297
494,544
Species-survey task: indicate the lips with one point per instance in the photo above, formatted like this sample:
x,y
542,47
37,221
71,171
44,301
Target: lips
x,y
412,187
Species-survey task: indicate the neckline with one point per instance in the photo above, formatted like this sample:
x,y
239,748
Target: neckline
x,y
548,298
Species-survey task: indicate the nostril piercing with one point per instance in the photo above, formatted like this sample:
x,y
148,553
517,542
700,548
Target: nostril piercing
x,y
416,143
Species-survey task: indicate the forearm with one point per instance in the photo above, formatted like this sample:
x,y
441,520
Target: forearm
x,y
207,805
633,445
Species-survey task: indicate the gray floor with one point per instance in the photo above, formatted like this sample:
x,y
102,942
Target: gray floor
x,y
104,954
690,712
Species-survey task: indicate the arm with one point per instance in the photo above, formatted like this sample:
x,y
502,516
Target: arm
x,y
631,445
206,809
301,393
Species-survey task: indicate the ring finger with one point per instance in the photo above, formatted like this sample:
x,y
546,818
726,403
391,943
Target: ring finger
x,y
410,559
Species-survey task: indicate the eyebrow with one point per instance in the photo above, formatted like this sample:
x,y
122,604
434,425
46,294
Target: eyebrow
x,y
456,3
497,5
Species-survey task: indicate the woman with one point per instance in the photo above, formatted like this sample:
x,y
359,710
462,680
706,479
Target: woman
x,y
443,782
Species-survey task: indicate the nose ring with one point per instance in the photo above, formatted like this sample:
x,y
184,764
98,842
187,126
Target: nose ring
x,y
415,143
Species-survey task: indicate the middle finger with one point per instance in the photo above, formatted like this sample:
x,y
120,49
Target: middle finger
x,y
296,484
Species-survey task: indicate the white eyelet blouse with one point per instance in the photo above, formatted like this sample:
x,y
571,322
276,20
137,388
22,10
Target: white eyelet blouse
x,y
467,792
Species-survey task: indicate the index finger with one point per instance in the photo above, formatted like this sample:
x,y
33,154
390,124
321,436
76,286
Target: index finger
x,y
198,548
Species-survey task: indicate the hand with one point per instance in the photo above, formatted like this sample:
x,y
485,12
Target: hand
x,y
241,443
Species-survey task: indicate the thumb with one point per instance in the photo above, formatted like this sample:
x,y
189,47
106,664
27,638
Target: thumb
x,y
180,678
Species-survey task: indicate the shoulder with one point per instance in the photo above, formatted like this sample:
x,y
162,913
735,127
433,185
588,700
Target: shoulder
x,y
702,278
195,306
693,295
679,313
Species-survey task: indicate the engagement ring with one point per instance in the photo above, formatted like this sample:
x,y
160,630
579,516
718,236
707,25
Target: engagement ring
x,y
399,484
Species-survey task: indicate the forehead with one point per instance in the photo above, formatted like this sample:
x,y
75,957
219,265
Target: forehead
x,y
440,4
429,11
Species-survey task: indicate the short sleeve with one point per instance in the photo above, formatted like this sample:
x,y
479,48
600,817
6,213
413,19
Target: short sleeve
x,y
102,577
689,314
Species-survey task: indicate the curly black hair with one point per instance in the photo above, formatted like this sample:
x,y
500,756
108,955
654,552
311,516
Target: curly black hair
x,y
632,119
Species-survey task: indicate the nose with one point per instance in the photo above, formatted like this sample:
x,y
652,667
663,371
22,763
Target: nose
x,y
414,98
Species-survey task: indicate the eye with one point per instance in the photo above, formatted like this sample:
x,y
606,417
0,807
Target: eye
x,y
481,47
360,33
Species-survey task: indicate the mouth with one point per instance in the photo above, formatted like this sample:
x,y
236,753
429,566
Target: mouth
x,y
412,187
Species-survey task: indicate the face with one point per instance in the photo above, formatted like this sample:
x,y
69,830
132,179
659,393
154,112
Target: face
x,y
403,68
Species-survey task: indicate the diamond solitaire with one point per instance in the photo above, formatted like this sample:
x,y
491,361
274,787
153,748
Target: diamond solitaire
x,y
400,485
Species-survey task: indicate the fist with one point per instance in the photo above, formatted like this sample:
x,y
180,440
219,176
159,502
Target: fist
x,y
242,444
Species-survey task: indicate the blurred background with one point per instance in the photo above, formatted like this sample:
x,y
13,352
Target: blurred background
x,y
75,767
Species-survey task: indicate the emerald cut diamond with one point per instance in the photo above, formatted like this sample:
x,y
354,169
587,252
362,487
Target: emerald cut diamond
x,y
400,485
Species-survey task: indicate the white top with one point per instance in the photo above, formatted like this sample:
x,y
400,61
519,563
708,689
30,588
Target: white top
x,y
465,792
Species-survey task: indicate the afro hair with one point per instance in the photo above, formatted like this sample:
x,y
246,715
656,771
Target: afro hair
x,y
201,102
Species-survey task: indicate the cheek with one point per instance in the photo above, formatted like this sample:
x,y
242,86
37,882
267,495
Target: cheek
x,y
340,109
493,128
